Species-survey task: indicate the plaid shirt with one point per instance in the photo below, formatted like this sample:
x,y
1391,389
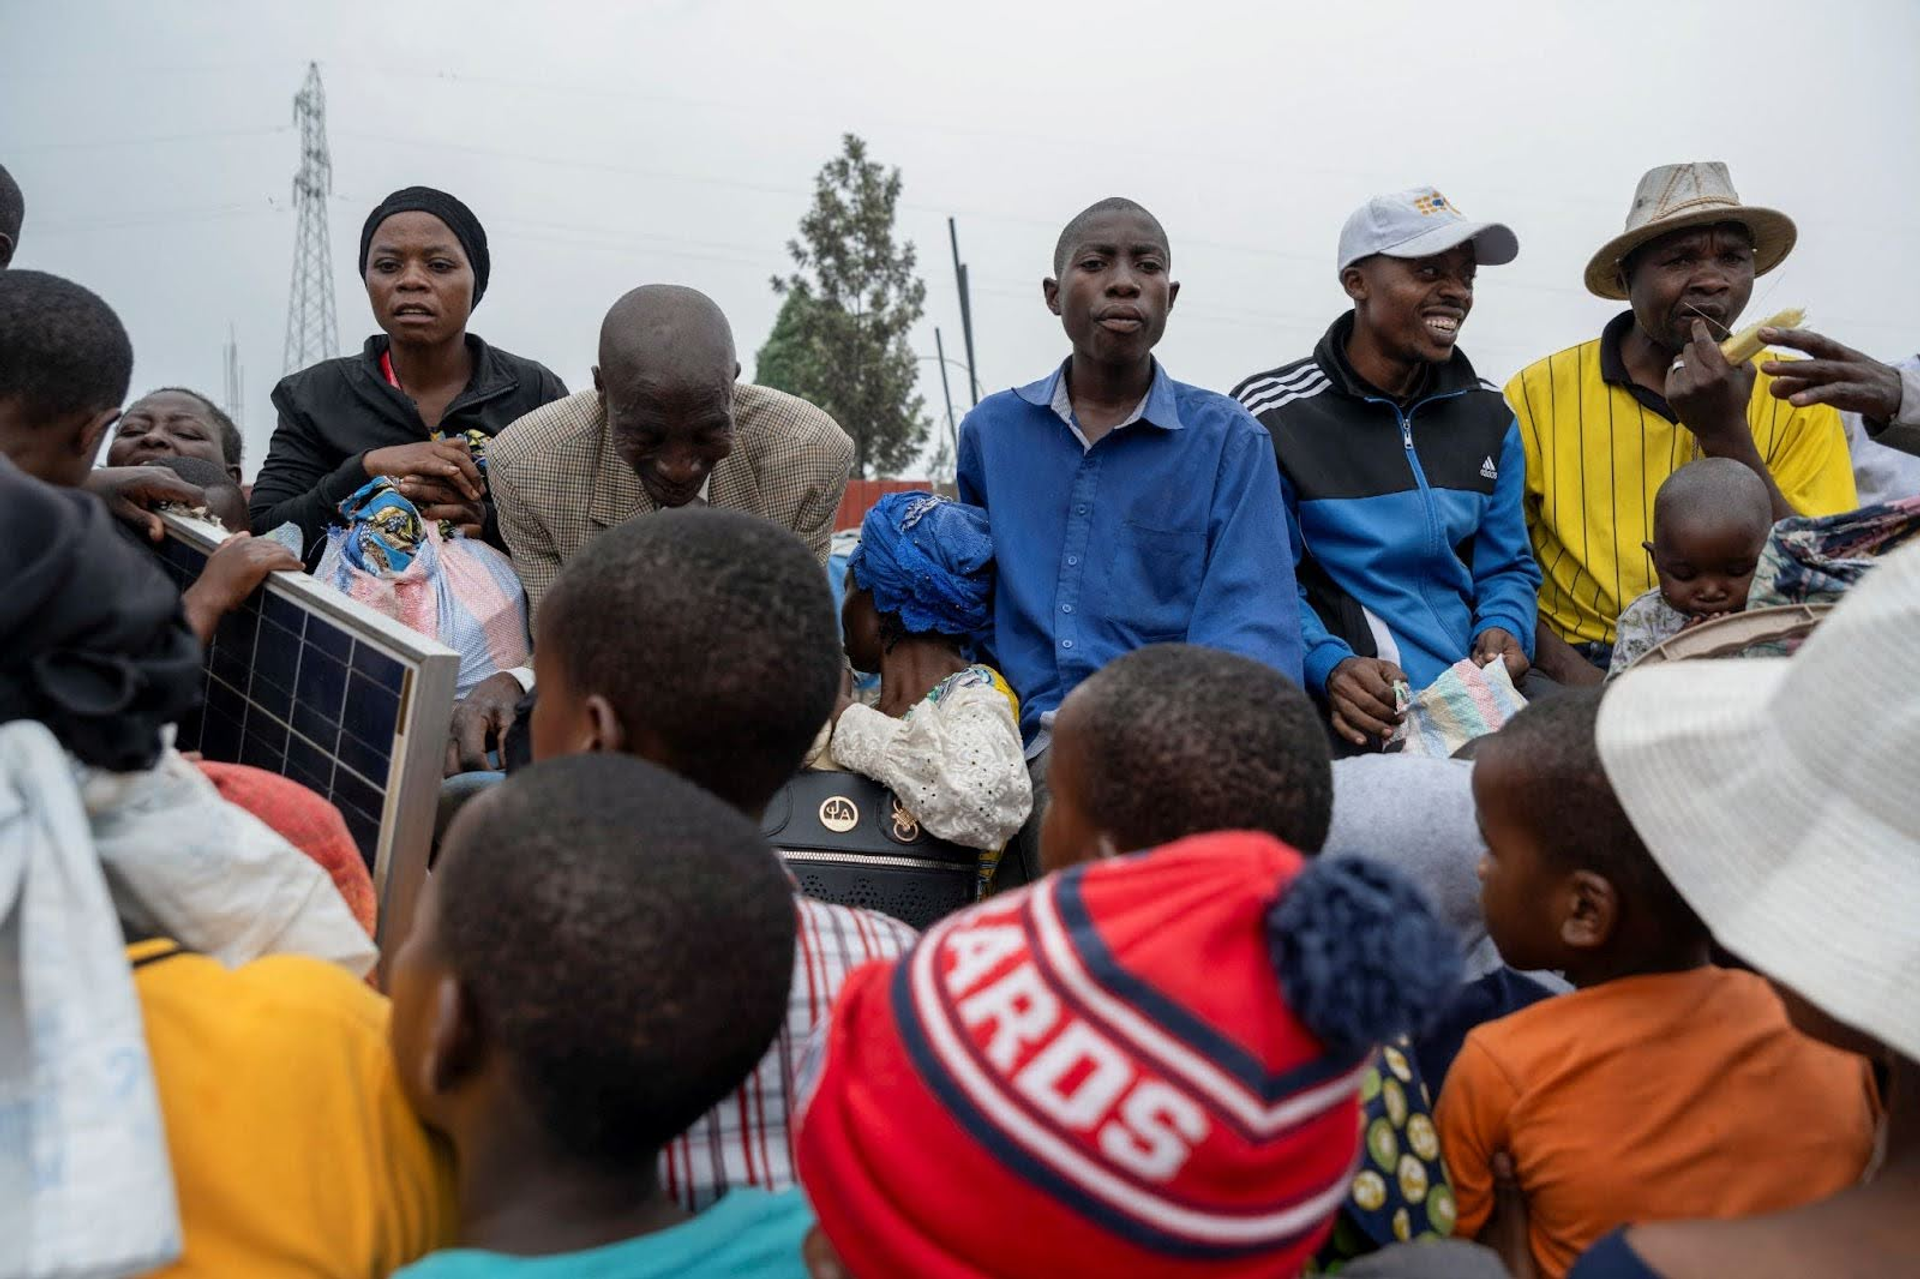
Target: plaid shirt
x,y
556,481
745,1140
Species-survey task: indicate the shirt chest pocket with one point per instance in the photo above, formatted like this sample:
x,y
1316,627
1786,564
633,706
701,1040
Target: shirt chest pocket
x,y
1153,575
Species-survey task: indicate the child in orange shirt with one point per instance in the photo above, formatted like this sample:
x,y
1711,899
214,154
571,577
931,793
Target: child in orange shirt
x,y
1662,1086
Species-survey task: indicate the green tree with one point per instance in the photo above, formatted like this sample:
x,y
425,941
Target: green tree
x,y
841,337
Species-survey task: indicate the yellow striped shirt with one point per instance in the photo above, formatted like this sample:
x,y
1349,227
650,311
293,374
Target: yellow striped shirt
x,y
1599,448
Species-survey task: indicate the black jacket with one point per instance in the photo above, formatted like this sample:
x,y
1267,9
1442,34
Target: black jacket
x,y
334,413
1407,520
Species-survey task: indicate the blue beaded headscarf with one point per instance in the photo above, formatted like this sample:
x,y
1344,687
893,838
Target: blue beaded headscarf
x,y
929,560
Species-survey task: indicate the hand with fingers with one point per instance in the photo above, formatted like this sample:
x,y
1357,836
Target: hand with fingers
x,y
1360,692
1707,393
1497,642
480,723
446,462
233,572
1836,375
438,501
132,493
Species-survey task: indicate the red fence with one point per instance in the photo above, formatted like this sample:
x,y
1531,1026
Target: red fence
x,y
862,494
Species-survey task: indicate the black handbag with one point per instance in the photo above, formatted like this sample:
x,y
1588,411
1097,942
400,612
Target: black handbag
x,y
847,840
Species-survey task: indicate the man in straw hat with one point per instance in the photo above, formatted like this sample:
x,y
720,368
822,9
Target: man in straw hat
x,y
1606,422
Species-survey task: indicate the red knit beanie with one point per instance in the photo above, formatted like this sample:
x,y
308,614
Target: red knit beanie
x,y
1148,1065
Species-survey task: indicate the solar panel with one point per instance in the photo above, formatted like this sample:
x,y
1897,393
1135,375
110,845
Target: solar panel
x,y
305,682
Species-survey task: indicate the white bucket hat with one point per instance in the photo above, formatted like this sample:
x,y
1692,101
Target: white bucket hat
x,y
1679,197
1780,797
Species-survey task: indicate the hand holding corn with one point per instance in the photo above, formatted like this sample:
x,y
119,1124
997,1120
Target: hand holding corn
x,y
1836,375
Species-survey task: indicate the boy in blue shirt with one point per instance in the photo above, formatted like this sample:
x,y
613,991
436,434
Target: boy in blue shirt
x,y
602,954
1127,508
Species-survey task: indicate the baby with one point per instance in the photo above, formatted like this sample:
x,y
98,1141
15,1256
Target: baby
x,y
1710,522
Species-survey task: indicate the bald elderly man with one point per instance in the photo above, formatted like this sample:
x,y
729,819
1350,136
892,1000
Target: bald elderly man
x,y
666,424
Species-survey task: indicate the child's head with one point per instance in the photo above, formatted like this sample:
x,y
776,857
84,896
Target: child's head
x,y
1175,739
225,502
924,566
1566,882
13,211
602,953
1710,523
702,640
176,422
1156,1058
64,366
1111,286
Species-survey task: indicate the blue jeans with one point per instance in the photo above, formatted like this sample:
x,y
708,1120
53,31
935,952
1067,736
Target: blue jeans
x,y
455,791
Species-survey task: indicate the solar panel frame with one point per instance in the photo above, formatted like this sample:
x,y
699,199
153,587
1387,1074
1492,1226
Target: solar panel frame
x,y
283,697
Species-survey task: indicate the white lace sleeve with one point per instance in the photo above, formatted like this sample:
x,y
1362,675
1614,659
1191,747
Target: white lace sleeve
x,y
955,761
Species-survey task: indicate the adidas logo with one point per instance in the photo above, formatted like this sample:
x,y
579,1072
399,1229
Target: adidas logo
x,y
1488,471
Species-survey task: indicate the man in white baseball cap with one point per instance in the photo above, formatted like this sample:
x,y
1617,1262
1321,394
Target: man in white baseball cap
x,y
1777,795
1402,472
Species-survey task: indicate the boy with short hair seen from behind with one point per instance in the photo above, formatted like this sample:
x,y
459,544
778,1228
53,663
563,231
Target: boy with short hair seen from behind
x,y
1174,740
65,362
704,641
602,953
1663,1086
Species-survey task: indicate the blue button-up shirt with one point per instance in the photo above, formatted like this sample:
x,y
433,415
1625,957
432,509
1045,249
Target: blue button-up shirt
x,y
1169,528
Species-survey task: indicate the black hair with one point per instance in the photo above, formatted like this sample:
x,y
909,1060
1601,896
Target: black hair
x,y
1179,739
712,631
196,471
62,350
212,477
13,207
1071,233
1569,805
1717,488
232,443
626,940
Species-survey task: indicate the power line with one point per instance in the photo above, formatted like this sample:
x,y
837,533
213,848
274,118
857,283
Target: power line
x,y
203,135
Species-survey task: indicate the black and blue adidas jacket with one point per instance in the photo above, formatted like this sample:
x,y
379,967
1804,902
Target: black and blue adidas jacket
x,y
1409,533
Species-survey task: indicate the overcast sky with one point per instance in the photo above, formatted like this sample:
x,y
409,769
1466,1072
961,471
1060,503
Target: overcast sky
x,y
610,145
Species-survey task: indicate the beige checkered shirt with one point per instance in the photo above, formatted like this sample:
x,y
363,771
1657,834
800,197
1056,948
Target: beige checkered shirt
x,y
557,481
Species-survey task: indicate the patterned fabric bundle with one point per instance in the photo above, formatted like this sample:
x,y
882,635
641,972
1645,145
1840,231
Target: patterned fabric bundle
x,y
929,560
1813,560
459,591
1466,702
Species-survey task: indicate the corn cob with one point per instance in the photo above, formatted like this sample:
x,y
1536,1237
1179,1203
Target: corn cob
x,y
1746,344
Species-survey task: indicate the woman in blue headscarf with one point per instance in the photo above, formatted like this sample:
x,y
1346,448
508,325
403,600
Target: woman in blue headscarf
x,y
945,737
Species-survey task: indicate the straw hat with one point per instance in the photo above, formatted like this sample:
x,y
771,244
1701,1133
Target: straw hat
x,y
1675,197
1778,795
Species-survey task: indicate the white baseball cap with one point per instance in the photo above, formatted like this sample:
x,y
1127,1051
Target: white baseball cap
x,y
1778,796
1418,223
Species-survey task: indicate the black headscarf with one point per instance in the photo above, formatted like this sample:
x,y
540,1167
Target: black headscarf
x,y
93,642
459,219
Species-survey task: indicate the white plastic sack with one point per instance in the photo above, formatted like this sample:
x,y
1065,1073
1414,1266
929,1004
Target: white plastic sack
x,y
86,1188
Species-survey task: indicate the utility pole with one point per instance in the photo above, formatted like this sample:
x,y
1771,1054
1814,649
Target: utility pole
x,y
312,333
236,379
966,313
953,432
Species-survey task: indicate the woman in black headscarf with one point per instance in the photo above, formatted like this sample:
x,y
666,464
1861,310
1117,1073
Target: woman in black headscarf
x,y
419,402
93,642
